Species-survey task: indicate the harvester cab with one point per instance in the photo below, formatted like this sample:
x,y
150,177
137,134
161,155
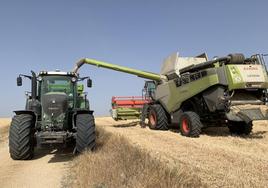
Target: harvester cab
x,y
56,112
148,92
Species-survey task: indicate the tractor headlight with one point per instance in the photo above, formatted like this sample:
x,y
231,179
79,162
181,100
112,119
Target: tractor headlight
x,y
74,79
39,78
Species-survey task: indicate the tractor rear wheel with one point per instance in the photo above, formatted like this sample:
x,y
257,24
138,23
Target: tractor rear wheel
x,y
21,137
158,119
86,137
190,124
240,127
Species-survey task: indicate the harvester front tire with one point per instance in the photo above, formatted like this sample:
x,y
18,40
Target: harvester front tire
x,y
190,124
21,137
158,119
240,128
86,136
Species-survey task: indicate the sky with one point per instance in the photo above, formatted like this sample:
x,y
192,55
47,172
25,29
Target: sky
x,y
54,34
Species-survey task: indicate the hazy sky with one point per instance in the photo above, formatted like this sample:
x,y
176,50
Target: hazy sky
x,y
48,35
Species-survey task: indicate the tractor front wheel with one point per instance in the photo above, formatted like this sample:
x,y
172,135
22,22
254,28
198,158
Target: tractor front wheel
x,y
190,124
86,136
21,137
158,119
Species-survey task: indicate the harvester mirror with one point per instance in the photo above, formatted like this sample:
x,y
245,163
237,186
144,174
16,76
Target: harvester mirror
x,y
89,82
19,81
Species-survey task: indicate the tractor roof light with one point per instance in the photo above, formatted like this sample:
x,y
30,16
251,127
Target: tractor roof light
x,y
43,72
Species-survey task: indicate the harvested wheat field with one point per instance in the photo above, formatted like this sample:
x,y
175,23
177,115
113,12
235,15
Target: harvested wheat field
x,y
130,156
215,159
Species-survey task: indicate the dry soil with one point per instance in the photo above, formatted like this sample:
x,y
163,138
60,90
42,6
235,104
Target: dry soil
x,y
218,158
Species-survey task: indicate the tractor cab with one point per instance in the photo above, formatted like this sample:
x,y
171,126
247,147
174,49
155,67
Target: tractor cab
x,y
55,96
62,84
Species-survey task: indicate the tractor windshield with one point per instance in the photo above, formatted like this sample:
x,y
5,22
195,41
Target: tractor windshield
x,y
57,84
62,84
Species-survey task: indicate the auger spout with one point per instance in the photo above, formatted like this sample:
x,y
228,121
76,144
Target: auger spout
x,y
139,73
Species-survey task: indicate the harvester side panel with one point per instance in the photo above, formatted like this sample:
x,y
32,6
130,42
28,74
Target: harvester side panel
x,y
246,76
172,95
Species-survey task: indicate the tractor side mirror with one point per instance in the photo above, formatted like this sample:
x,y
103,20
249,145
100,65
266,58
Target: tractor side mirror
x,y
19,81
89,82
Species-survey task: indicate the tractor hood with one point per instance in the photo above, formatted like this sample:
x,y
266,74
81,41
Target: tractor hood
x,y
54,103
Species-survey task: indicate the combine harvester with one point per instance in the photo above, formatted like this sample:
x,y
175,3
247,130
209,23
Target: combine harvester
x,y
194,92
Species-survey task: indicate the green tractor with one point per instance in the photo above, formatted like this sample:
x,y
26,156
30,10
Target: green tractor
x,y
194,92
56,113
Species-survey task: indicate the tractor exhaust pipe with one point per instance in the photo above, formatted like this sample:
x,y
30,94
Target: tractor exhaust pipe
x,y
34,85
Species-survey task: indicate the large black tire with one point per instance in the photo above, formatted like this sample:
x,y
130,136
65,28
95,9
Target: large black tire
x,y
158,119
21,137
86,136
240,127
190,124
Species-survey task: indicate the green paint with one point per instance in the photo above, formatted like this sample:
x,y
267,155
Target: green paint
x,y
142,74
184,92
128,113
234,77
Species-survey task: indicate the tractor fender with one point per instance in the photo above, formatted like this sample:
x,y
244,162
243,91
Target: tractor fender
x,y
19,112
76,112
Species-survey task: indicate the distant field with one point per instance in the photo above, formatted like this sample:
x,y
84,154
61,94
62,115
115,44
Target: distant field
x,y
4,126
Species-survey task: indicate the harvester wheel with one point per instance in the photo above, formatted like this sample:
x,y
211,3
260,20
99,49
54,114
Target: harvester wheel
x,y
240,127
158,119
190,124
21,137
247,128
85,132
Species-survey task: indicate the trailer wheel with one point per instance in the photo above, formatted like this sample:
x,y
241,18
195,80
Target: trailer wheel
x,y
21,137
86,136
240,127
158,119
190,124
